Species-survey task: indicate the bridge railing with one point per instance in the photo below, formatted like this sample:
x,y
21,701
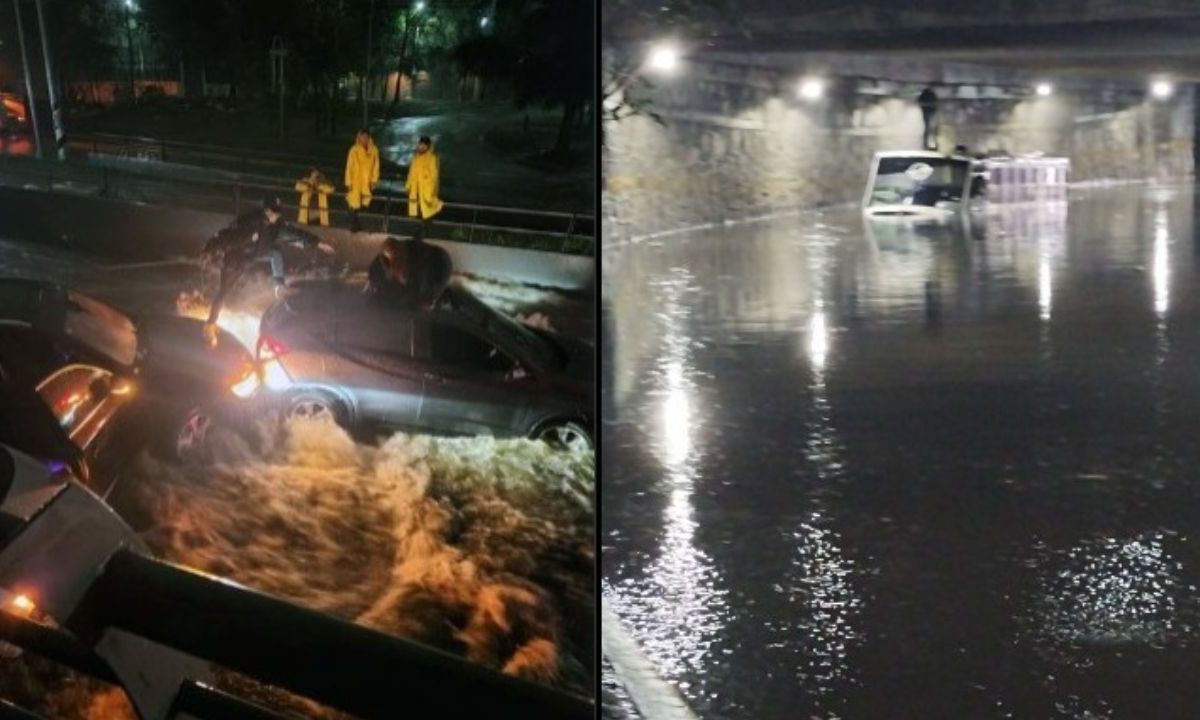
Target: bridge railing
x,y
133,177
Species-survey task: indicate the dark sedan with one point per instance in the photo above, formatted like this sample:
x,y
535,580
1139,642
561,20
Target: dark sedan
x,y
460,368
86,385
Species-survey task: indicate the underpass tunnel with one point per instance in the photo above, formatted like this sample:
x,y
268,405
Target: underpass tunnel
x,y
929,464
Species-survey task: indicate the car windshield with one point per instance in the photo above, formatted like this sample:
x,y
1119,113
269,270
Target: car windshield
x,y
505,330
101,327
918,181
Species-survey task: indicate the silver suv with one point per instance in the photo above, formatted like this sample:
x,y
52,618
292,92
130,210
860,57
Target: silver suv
x,y
460,368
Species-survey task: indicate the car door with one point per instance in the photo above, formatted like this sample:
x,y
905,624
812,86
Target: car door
x,y
374,356
471,385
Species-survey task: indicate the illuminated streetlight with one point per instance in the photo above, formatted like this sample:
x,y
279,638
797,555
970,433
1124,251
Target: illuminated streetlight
x,y
483,21
1045,89
811,89
663,58
419,5
1161,89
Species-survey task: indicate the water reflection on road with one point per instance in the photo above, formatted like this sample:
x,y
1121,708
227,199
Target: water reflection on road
x,y
849,471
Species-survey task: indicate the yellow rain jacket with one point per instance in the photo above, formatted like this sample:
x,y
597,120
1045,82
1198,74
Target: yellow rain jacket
x,y
362,173
422,185
307,186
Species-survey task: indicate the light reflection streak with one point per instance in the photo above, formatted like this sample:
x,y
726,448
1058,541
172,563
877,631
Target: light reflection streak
x,y
1045,289
818,340
676,419
1161,263
676,607
1112,591
825,606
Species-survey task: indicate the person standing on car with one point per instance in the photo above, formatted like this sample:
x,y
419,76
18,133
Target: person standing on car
x,y
362,175
253,238
430,268
387,277
423,185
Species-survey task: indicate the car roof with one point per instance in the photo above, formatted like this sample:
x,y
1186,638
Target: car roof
x,y
67,315
467,309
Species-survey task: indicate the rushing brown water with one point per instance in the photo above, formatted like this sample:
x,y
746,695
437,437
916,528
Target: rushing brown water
x,y
484,548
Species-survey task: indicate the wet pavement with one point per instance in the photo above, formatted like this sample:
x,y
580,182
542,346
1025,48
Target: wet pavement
x,y
900,471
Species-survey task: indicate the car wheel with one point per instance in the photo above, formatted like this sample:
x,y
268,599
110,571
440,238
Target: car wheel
x,y
314,407
565,435
192,435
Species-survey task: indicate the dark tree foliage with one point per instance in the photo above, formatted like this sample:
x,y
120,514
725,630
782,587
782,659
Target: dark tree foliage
x,y
556,64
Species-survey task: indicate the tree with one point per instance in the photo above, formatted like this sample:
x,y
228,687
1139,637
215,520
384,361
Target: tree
x,y
634,23
555,66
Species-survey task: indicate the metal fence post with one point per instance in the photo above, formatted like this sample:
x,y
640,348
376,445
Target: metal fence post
x,y
387,214
570,231
474,221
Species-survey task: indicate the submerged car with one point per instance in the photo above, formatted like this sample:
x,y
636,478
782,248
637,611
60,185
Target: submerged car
x,y
85,385
460,368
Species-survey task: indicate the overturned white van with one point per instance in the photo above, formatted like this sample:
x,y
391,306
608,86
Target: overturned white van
x,y
919,184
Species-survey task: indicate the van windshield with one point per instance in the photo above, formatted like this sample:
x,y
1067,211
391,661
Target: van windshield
x,y
918,181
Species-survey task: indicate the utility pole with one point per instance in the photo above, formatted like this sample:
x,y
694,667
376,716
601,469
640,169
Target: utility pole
x,y
129,47
30,100
367,68
278,56
56,109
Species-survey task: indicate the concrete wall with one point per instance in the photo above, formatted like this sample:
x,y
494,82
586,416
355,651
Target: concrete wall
x,y
736,141
118,231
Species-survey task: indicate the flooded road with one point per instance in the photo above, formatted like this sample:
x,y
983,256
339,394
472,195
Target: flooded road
x,y
483,548
892,471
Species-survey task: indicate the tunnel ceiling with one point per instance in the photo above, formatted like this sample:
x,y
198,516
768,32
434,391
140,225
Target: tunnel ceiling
x,y
1090,39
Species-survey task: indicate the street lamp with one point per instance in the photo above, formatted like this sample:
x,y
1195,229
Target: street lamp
x,y
811,89
663,58
419,5
483,22
1044,89
1161,89
130,8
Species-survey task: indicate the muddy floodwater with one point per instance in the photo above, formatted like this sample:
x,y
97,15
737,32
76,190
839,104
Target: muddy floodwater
x,y
911,471
480,547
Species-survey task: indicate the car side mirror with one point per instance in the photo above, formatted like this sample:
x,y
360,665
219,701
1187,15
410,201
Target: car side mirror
x,y
100,388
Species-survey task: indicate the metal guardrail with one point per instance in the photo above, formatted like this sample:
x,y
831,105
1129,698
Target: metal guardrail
x,y
568,233
241,162
339,664
79,591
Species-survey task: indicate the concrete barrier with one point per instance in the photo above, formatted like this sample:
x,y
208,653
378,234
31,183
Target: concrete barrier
x,y
655,698
132,232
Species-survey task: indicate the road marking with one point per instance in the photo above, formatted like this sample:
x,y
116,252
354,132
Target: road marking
x,y
654,697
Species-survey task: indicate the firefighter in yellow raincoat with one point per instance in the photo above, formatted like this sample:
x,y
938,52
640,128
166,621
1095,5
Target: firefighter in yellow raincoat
x,y
362,174
314,184
422,185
